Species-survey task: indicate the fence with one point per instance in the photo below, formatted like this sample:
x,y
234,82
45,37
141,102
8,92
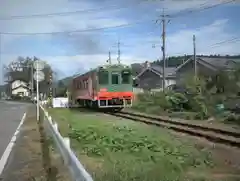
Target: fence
x,y
76,169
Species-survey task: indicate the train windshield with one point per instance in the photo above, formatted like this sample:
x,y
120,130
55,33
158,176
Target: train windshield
x,y
103,77
126,77
115,78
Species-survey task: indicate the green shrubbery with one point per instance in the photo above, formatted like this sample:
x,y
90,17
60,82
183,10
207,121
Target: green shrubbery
x,y
202,96
196,99
172,102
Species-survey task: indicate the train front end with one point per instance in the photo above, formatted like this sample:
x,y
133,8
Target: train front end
x,y
114,88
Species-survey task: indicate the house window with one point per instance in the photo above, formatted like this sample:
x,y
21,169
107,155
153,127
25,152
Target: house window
x,y
115,78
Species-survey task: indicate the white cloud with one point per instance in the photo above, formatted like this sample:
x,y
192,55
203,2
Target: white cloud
x,y
181,41
178,43
206,37
135,48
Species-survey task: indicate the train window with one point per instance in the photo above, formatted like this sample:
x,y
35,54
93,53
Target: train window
x,y
126,75
103,77
115,78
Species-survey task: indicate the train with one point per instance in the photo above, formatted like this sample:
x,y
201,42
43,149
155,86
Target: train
x,y
107,87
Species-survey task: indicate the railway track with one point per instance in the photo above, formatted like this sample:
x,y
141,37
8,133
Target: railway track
x,y
216,135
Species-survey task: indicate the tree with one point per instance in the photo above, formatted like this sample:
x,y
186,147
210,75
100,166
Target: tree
x,y
225,82
20,69
61,84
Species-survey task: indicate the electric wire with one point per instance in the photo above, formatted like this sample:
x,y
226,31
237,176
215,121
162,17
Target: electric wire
x,y
117,26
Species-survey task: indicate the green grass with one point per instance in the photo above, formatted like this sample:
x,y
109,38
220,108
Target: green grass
x,y
120,150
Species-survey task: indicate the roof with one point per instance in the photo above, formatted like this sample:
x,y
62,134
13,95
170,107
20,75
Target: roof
x,y
22,87
215,63
137,68
169,71
218,62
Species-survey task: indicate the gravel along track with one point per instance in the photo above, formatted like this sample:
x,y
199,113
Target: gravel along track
x,y
212,134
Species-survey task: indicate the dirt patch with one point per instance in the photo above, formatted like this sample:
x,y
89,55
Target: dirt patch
x,y
31,158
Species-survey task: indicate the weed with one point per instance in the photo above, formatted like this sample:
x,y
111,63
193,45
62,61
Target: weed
x,y
126,150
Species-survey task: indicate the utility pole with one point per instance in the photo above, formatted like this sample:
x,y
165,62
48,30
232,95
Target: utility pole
x,y
119,52
51,86
109,58
163,47
194,55
32,81
1,67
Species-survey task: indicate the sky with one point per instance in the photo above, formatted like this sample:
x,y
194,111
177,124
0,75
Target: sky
x,y
82,32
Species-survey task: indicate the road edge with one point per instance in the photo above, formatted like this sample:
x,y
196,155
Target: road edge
x,y
10,145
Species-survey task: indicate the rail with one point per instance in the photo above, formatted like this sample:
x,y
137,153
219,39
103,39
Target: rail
x,y
75,167
212,134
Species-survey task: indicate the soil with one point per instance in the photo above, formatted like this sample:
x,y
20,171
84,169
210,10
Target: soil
x,y
32,157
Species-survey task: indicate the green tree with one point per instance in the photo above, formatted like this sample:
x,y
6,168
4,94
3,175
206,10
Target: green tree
x,y
20,69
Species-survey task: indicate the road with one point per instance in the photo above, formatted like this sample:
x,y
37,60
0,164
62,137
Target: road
x,y
11,114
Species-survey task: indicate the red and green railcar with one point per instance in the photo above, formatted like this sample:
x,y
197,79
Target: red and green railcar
x,y
108,86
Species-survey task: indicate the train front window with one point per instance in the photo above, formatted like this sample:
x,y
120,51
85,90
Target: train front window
x,y
126,75
103,77
115,78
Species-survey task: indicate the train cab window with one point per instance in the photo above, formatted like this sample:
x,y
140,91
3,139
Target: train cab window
x,y
103,77
126,75
115,78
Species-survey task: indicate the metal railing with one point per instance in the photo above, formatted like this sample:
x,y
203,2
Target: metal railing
x,y
75,167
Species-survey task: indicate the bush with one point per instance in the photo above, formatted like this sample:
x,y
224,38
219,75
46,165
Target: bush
x,y
171,101
155,102
178,101
233,118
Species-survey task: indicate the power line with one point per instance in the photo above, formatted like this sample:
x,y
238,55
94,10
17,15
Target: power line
x,y
189,9
110,27
81,31
112,7
201,8
232,40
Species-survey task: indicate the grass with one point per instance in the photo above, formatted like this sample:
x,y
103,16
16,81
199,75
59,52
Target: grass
x,y
119,150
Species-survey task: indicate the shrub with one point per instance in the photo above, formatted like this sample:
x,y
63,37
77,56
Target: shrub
x,y
233,118
178,101
154,102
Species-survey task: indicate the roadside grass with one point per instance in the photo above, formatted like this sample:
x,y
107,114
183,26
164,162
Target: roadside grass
x,y
119,150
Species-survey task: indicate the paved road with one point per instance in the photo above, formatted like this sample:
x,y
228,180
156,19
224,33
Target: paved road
x,y
11,114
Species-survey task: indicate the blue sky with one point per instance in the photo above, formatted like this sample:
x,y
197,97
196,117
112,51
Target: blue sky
x,y
70,53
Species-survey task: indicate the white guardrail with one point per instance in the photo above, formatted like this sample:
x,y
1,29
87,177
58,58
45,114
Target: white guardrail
x,y
75,167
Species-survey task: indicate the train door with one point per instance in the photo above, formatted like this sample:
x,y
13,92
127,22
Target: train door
x,y
90,88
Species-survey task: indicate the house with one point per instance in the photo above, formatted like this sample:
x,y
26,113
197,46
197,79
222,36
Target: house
x,y
205,66
151,75
151,78
20,88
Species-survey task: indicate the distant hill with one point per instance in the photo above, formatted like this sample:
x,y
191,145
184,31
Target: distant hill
x,y
175,61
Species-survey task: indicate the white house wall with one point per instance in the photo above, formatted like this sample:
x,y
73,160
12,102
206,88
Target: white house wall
x,y
169,82
20,90
18,83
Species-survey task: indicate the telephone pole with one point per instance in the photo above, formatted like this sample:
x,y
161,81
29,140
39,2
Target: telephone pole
x,y
164,47
119,52
194,55
1,66
109,58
